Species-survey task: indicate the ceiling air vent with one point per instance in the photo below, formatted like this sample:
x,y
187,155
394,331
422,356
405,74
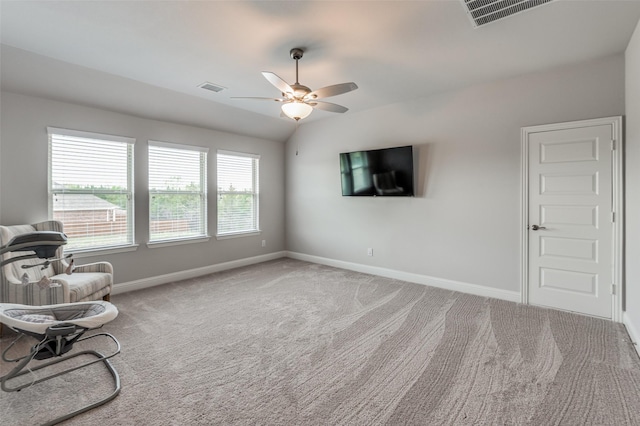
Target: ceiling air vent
x,y
482,12
212,87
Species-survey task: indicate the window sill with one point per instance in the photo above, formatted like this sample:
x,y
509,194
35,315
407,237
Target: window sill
x,y
237,235
182,241
101,251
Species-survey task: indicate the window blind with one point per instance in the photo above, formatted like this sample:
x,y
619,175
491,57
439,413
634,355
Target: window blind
x,y
238,190
91,188
177,191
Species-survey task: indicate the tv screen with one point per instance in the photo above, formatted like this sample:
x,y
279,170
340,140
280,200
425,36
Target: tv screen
x,y
384,172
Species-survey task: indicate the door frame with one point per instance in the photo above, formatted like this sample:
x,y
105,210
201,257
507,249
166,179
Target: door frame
x,y
617,182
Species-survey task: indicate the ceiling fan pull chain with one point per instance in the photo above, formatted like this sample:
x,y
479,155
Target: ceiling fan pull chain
x,y
297,139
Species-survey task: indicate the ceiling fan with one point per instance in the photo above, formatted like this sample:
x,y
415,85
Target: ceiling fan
x,y
297,100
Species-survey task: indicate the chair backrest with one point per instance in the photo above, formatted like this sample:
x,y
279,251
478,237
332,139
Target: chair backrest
x,y
13,272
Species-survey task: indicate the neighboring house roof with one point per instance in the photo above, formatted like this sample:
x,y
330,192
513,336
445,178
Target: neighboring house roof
x,y
76,202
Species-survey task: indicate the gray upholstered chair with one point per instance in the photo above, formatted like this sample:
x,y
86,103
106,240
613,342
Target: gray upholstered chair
x,y
92,281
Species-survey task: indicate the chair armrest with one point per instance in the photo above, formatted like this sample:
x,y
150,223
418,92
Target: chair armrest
x,y
32,294
95,267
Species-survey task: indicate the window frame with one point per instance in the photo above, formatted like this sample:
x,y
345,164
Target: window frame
x,y
129,244
203,235
255,192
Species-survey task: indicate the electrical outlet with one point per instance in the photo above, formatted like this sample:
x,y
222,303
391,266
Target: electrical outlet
x,y
369,252
264,243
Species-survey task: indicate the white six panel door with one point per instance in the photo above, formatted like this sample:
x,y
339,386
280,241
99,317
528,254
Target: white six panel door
x,y
570,200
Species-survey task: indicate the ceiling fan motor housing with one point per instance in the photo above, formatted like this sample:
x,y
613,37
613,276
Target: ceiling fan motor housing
x,y
300,91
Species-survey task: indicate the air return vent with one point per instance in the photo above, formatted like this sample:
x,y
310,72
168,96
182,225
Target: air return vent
x,y
482,12
212,87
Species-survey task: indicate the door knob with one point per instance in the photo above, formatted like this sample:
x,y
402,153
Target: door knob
x,y
536,227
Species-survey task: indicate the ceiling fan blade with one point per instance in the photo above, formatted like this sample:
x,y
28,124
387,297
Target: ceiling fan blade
x,y
328,106
280,84
336,89
258,99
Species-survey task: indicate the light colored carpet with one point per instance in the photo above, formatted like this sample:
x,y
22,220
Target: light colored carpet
x,y
293,343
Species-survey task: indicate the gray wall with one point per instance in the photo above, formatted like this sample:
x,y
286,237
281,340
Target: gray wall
x,y
464,224
23,173
632,182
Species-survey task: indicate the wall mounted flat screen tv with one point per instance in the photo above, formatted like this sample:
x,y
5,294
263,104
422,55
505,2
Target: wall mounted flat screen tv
x,y
384,172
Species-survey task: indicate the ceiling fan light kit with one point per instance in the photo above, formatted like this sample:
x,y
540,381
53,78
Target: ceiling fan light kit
x,y
296,110
298,101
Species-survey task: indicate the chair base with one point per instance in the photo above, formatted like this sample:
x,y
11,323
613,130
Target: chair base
x,y
21,369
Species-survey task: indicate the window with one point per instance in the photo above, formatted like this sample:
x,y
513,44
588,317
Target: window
x,y
177,191
91,188
237,193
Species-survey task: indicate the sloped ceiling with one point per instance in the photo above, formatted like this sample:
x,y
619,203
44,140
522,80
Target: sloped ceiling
x,y
147,58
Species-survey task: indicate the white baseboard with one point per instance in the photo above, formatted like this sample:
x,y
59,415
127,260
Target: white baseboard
x,y
475,289
463,287
634,333
192,273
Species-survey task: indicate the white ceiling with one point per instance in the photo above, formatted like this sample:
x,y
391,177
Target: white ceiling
x,y
147,57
